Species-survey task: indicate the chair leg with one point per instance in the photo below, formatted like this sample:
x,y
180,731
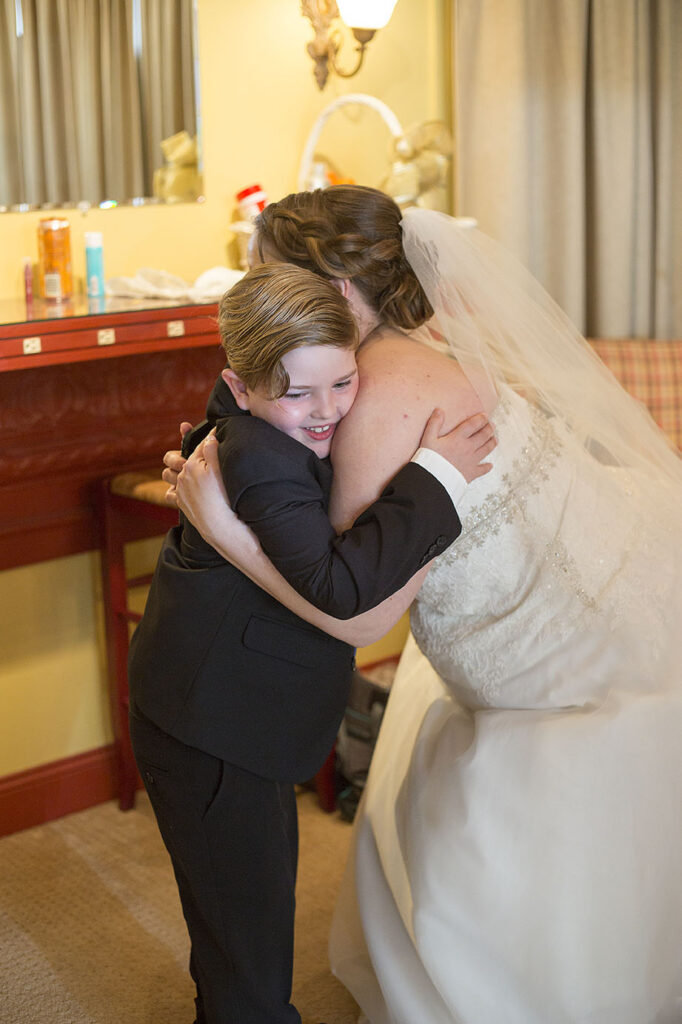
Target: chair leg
x,y
114,592
127,767
324,782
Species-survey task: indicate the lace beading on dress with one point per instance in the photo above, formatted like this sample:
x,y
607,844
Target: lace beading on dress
x,y
537,565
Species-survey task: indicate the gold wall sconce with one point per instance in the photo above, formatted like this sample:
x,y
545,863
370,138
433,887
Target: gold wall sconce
x,y
363,17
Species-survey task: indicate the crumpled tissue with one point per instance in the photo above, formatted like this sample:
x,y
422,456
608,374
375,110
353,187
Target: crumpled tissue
x,y
148,283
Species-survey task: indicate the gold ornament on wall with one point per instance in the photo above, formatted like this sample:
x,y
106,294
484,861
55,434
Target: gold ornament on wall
x,y
363,17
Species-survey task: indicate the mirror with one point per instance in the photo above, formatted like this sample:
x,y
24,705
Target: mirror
x,y
99,103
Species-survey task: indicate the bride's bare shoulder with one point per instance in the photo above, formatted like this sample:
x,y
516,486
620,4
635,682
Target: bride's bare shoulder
x,y
395,366
390,352
391,356
388,338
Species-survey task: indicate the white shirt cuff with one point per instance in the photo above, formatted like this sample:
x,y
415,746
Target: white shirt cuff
x,y
446,474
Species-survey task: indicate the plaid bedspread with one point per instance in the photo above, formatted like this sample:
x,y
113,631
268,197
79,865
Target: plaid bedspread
x,y
652,372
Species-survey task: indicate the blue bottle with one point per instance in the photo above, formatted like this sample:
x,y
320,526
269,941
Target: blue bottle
x,y
94,264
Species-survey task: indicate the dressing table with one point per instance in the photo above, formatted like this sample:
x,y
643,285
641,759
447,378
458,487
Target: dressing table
x,y
87,391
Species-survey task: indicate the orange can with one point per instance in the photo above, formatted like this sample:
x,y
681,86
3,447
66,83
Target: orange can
x,y
54,259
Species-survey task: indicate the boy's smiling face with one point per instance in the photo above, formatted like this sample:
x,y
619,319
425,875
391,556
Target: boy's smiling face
x,y
323,383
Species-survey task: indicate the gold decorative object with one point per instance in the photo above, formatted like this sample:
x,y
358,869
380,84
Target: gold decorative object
x,y
179,180
419,156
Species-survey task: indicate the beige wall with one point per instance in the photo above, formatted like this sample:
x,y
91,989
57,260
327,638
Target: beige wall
x,y
259,101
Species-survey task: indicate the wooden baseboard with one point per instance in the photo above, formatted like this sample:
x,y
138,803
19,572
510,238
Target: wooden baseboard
x,y
49,791
41,794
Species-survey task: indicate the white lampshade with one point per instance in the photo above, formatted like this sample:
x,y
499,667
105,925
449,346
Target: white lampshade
x,y
366,13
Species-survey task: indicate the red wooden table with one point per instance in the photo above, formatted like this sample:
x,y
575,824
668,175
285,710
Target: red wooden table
x,y
85,395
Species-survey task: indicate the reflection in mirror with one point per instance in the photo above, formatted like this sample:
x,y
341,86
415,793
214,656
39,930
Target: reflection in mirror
x,y
98,103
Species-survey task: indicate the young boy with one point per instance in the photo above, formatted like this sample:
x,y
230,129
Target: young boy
x,y
234,698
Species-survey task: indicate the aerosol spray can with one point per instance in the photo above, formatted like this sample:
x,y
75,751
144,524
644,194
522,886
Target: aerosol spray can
x,y
94,264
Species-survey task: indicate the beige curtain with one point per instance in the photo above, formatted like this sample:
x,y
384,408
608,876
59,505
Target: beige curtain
x,y
569,150
11,171
166,74
72,119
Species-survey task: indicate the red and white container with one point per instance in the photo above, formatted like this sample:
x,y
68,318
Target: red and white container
x,y
251,201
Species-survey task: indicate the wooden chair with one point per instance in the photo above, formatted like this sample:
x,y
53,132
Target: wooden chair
x,y
132,507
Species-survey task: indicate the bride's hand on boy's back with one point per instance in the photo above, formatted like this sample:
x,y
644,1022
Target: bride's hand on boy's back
x,y
465,445
200,494
174,460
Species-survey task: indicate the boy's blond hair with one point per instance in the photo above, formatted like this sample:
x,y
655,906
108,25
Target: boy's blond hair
x,y
275,308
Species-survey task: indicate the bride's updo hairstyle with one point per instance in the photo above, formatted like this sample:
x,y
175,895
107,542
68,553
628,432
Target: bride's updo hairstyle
x,y
353,232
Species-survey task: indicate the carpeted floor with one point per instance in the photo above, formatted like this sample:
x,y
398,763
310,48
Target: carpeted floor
x,y
91,930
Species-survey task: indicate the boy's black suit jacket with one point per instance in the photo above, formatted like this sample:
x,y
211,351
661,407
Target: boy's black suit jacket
x,y
218,663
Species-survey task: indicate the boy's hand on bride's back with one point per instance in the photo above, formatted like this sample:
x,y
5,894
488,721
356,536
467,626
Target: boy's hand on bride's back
x,y
465,445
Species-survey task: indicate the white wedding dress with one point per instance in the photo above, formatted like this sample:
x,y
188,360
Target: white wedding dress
x,y
518,850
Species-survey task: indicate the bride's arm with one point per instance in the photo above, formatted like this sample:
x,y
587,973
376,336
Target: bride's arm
x,y
200,494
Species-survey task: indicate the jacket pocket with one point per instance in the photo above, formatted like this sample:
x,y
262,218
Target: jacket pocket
x,y
292,644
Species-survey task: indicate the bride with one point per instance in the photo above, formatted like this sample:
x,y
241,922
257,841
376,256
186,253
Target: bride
x,y
517,852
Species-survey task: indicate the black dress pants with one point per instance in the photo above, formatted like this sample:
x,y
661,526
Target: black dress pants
x,y
233,840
